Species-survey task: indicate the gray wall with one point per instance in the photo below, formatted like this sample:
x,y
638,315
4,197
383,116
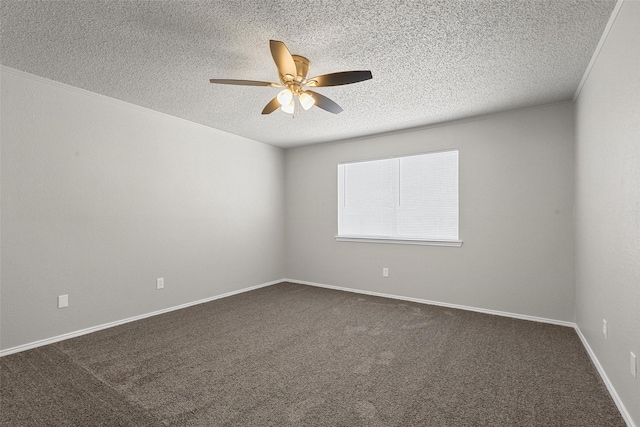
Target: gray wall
x,y
100,198
516,217
608,205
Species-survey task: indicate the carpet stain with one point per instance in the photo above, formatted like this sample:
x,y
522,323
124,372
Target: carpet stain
x,y
377,330
350,330
385,358
415,326
365,366
367,363
366,410
298,411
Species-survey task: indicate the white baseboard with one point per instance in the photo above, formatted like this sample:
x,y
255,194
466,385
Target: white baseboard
x,y
74,334
612,391
603,375
438,303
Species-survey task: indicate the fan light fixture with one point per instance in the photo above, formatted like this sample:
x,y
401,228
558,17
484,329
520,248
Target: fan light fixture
x,y
306,100
293,71
290,107
285,97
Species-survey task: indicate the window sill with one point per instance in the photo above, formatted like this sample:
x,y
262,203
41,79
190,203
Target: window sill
x,y
454,243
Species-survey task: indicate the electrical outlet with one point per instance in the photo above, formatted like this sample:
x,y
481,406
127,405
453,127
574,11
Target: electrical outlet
x,y
633,365
160,283
63,301
385,272
605,329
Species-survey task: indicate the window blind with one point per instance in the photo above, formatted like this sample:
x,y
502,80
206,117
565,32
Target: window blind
x,y
412,197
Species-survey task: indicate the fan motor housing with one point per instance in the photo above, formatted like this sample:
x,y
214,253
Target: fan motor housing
x,y
302,68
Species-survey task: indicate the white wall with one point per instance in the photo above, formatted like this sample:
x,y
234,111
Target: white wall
x,y
516,217
99,198
608,205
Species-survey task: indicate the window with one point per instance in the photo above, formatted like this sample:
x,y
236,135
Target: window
x,y
411,199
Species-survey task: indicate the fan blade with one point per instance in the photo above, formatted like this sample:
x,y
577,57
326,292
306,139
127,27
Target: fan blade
x,y
243,82
324,102
337,79
272,106
283,59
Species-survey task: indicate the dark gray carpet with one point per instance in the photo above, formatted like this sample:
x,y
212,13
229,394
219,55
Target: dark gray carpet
x,y
293,355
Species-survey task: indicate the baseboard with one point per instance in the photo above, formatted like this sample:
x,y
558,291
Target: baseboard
x,y
612,391
74,334
438,303
594,359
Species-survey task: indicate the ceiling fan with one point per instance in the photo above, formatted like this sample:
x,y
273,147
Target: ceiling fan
x,y
293,71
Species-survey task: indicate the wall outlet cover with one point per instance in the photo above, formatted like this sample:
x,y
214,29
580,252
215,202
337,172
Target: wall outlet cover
x,y
63,301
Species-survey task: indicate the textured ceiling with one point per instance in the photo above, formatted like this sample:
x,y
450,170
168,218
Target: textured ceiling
x,y
432,61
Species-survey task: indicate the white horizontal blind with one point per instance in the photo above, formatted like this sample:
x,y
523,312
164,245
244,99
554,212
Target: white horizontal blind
x,y
369,191
413,197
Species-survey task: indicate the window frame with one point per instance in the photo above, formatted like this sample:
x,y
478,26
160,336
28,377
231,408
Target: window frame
x,y
398,239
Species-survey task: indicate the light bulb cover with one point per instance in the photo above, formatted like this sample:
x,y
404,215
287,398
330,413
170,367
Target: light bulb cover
x,y
285,97
289,108
306,100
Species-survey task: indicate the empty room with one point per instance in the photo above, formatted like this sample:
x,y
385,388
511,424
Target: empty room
x,y
336,213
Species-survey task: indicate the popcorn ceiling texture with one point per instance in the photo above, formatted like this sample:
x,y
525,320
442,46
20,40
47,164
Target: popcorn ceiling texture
x,y
432,61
